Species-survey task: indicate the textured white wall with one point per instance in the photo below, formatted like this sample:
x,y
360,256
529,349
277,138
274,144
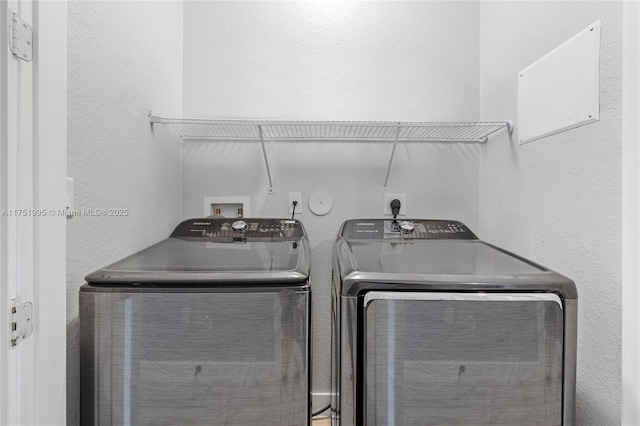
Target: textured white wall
x,y
332,60
558,200
123,59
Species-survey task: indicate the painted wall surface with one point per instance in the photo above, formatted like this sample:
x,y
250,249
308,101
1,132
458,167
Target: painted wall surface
x,y
558,200
335,60
123,59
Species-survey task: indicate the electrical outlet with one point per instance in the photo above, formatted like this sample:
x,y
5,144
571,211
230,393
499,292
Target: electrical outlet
x,y
387,201
70,196
295,196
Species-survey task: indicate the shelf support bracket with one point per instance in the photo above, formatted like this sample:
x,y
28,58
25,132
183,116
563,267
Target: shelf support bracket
x,y
153,118
393,152
266,160
509,125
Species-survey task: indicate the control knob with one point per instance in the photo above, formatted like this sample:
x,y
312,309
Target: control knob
x,y
407,227
239,226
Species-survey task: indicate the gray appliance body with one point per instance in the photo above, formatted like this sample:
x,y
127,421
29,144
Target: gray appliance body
x,y
210,326
435,327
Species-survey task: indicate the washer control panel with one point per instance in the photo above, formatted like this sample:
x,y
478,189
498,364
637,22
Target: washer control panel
x,y
418,229
271,229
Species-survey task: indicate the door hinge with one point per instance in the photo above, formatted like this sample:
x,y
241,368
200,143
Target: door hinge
x,y
21,322
20,38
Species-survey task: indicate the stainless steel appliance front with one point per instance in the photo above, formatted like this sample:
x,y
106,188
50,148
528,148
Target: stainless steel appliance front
x,y
231,349
442,329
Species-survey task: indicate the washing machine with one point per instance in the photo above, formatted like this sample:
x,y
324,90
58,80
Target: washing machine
x,y
432,326
210,326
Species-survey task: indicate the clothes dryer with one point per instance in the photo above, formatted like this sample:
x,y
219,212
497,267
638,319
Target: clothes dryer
x,y
431,326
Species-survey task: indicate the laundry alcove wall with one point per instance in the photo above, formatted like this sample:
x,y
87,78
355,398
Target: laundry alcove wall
x,y
121,57
418,61
558,200
333,61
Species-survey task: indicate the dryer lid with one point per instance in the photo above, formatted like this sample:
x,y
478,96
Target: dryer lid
x,y
468,257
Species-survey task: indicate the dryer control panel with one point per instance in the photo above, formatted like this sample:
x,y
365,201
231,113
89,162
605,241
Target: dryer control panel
x,y
417,229
267,229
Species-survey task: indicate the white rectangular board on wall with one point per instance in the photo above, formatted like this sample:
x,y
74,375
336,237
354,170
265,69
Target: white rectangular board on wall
x,y
561,90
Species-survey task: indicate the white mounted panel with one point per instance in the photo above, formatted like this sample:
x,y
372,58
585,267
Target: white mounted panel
x,y
561,90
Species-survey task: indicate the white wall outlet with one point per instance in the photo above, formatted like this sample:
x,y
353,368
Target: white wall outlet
x,y
295,196
231,207
387,204
71,192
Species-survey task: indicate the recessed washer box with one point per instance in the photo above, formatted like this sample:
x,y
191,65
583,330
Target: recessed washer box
x,y
231,207
561,90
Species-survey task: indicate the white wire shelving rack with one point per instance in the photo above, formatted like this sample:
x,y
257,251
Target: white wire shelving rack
x,y
375,131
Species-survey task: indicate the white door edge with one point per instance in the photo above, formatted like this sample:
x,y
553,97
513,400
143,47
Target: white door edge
x,y
33,247
630,215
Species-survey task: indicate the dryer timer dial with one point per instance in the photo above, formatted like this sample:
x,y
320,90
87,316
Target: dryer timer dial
x,y
239,226
407,226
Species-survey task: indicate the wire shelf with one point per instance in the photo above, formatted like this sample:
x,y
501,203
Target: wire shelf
x,y
249,130
282,130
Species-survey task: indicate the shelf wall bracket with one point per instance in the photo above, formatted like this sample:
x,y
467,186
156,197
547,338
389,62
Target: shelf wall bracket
x,y
509,125
266,160
393,153
153,118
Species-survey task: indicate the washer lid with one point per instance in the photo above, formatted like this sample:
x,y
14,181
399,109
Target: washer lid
x,y
210,251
